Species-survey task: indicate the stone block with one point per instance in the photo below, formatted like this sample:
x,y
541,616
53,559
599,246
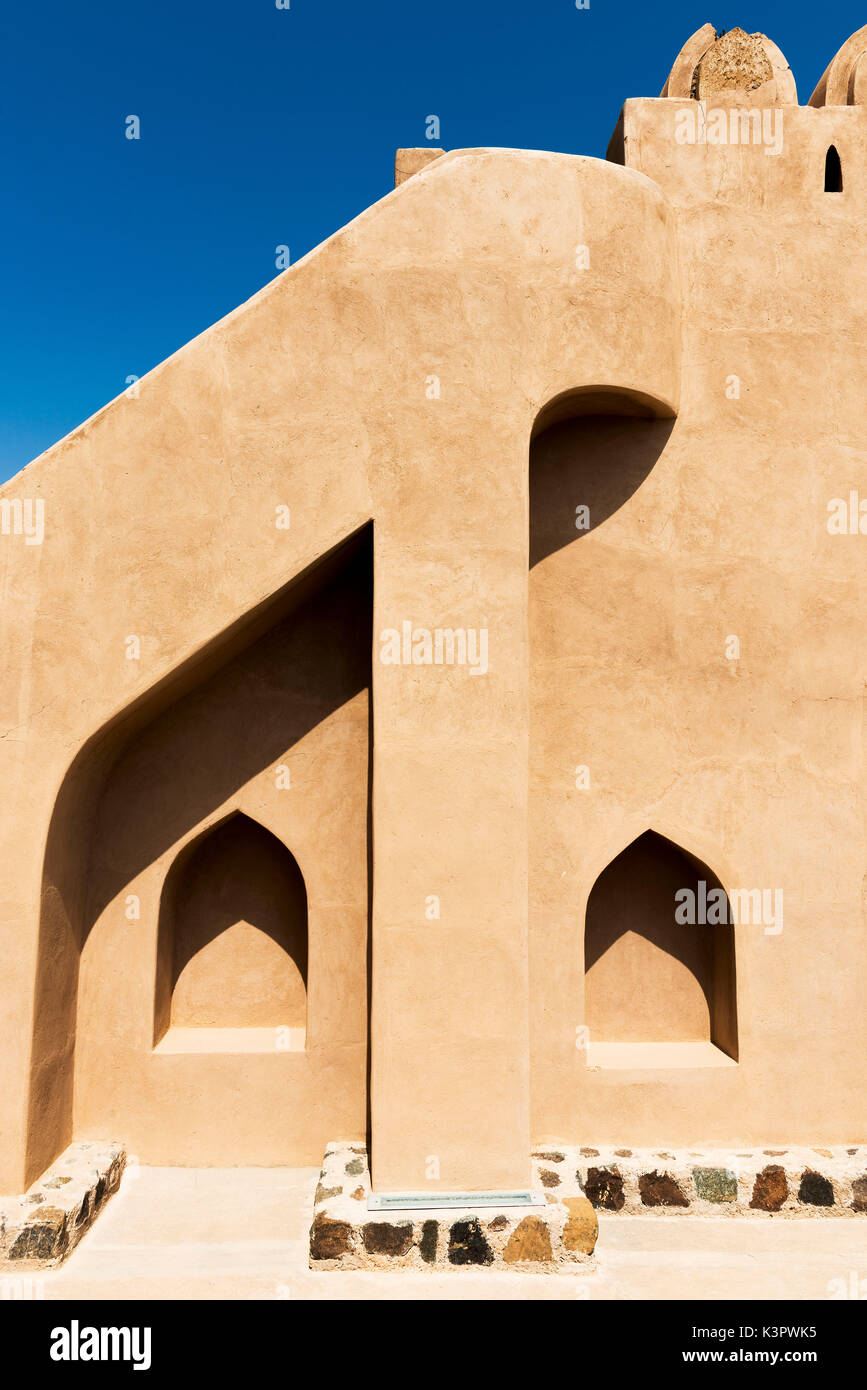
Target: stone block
x,y
604,1189
529,1242
582,1226
770,1189
815,1190
387,1238
43,1227
329,1240
715,1184
429,1242
467,1244
661,1190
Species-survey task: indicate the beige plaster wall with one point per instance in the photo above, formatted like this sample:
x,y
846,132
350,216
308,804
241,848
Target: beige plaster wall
x,y
292,708
318,396
395,375
756,765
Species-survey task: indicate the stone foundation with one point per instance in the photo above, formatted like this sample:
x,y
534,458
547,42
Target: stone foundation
x,y
779,1181
561,1236
44,1226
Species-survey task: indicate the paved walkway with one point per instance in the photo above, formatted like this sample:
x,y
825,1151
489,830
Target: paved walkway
x,y
242,1233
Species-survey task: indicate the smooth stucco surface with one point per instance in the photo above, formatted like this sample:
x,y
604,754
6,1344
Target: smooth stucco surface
x,y
697,315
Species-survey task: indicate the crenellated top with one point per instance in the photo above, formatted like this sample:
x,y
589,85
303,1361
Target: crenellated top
x,y
712,63
844,82
728,128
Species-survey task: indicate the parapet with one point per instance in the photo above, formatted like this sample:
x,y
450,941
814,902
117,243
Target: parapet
x,y
711,63
844,81
412,161
728,127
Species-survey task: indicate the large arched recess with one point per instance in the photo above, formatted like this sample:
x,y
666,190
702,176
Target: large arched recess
x,y
285,686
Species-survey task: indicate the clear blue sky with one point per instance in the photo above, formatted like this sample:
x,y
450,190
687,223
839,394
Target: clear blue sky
x,y
262,127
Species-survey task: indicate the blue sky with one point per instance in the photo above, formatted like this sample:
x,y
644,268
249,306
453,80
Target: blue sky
x,y
262,127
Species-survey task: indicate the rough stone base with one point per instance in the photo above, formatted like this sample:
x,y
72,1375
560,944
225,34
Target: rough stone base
x,y
559,1237
44,1226
712,1182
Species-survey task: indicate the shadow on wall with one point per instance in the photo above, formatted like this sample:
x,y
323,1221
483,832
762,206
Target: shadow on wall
x,y
192,758
170,760
234,909
593,450
648,977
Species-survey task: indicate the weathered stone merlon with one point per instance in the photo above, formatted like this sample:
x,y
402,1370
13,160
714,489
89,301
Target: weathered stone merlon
x,y
412,161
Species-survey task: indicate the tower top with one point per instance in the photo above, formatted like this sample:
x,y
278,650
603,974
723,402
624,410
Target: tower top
x,y
712,63
844,81
733,61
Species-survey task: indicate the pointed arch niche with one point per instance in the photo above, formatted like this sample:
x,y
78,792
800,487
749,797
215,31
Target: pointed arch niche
x,y
659,961
232,943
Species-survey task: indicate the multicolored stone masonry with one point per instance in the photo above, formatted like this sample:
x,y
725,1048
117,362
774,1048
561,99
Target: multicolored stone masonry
x,y
560,1236
773,1181
42,1228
